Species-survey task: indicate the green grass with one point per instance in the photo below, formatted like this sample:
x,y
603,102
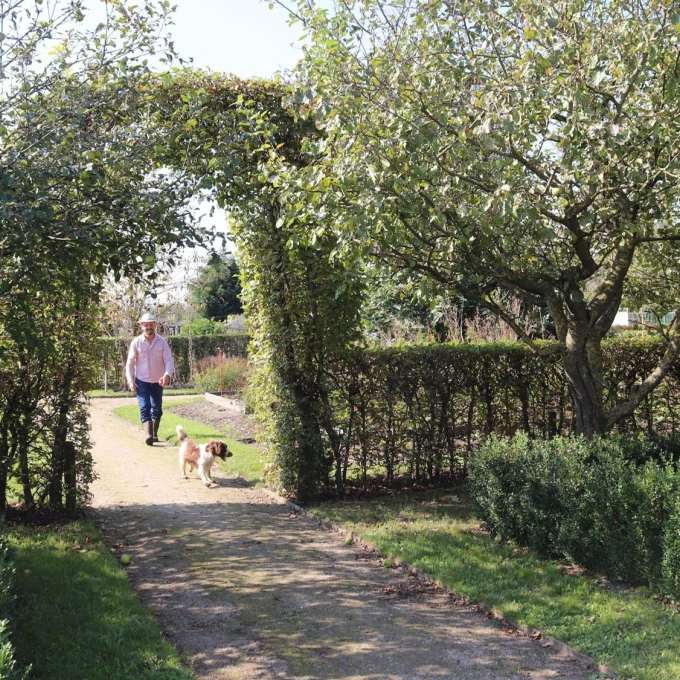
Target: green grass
x,y
624,628
110,394
77,615
246,461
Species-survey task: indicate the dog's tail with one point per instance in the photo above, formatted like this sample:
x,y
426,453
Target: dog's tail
x,y
181,434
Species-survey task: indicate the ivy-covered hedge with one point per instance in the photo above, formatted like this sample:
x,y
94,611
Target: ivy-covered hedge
x,y
418,411
186,351
591,502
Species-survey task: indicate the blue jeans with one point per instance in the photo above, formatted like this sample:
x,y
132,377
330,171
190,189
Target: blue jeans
x,y
150,400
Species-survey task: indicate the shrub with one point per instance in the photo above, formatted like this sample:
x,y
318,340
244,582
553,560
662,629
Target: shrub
x,y
609,504
8,666
235,371
203,327
670,564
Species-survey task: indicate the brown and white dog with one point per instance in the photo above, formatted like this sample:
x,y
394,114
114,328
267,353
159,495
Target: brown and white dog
x,y
200,456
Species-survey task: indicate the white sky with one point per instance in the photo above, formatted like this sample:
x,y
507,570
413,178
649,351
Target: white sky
x,y
243,37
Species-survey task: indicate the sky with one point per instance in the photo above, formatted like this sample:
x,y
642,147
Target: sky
x,y
243,37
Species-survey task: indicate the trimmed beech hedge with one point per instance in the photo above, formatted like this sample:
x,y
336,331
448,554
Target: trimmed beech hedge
x,y
418,411
186,351
593,503
413,414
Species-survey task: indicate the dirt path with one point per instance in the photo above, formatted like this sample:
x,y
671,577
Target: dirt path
x,y
247,588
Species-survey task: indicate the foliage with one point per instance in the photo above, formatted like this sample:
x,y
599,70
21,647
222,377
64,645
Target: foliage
x,y
525,147
629,629
44,443
81,196
77,600
301,303
587,501
231,376
413,414
8,664
203,326
417,412
217,290
186,351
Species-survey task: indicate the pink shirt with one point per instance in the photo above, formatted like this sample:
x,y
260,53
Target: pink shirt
x,y
149,361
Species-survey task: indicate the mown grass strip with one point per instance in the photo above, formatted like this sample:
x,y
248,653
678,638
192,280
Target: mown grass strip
x,y
246,461
77,616
624,628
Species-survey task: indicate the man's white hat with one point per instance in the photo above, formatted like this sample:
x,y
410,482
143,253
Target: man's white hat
x,y
148,318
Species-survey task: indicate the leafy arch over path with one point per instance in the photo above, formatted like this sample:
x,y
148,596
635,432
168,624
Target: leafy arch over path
x,y
252,153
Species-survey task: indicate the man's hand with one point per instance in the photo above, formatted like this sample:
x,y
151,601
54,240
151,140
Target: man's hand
x,y
164,380
133,387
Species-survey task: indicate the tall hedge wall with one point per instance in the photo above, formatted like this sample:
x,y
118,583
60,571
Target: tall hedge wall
x,y
419,410
186,351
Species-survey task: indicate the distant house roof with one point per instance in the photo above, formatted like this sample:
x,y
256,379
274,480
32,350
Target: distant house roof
x,y
238,324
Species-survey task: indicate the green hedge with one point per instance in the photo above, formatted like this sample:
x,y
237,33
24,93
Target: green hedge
x,y
8,666
186,351
417,412
590,502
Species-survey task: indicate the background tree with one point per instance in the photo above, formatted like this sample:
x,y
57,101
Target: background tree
x,y
520,146
217,290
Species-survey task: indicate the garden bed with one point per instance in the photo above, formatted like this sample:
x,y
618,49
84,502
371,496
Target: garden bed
x,y
229,420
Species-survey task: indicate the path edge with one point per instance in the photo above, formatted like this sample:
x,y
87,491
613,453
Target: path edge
x,y
536,635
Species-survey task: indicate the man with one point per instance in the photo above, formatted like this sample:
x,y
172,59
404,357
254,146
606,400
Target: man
x,y
148,370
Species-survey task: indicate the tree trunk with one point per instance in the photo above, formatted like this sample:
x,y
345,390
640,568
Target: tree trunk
x,y
5,459
21,434
57,466
583,368
70,479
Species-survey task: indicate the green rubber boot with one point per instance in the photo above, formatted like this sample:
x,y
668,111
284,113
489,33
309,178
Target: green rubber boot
x,y
148,432
156,423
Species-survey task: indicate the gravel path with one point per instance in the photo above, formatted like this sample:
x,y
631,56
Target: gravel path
x,y
248,589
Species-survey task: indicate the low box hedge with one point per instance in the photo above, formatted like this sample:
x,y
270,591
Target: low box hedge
x,y
611,504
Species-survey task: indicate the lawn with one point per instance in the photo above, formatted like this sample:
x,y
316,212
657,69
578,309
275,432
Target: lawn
x,y
246,461
78,616
626,628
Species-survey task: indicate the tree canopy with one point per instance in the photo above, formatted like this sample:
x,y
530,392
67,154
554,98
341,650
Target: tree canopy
x,y
520,146
81,195
217,289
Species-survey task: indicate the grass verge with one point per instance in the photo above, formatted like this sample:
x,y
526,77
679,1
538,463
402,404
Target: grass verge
x,y
624,628
246,461
168,392
78,616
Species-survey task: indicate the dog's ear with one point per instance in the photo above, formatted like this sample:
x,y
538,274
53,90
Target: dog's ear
x,y
224,451
213,447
